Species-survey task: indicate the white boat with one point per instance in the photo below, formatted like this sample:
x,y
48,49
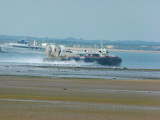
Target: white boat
x,y
23,47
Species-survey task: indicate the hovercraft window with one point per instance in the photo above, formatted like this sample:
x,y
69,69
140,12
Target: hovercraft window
x,y
95,55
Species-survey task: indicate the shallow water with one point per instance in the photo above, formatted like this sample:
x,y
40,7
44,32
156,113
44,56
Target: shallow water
x,y
33,65
139,60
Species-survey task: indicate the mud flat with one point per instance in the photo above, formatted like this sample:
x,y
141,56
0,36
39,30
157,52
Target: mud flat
x,y
39,98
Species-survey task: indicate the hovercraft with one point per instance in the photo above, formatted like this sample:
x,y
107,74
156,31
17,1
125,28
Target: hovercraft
x,y
59,53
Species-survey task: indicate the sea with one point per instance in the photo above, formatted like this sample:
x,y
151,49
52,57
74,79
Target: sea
x,y
135,65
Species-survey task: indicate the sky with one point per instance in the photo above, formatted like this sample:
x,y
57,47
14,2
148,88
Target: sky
x,y
87,19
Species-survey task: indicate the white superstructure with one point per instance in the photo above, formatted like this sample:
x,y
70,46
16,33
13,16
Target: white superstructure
x,y
23,47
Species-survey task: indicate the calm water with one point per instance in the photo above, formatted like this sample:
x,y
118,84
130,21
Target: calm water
x,y
130,59
140,60
32,64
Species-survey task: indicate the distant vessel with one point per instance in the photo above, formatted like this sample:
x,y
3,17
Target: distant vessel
x,y
23,47
59,53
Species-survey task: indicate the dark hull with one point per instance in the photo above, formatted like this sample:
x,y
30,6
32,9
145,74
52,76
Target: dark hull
x,y
108,60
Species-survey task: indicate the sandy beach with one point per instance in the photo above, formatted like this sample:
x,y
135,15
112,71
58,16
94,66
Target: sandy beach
x,y
39,98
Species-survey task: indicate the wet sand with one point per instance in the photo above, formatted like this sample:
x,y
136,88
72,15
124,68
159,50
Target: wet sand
x,y
38,98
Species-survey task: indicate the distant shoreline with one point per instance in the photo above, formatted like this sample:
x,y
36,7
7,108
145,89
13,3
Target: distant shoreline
x,y
115,50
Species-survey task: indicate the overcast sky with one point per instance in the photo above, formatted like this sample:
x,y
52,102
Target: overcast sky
x,y
87,19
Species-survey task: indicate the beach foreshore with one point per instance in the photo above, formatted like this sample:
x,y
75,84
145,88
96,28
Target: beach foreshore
x,y
115,50
39,98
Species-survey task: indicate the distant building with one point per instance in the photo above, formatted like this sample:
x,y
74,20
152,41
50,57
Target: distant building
x,y
110,46
78,46
143,46
156,48
75,46
44,44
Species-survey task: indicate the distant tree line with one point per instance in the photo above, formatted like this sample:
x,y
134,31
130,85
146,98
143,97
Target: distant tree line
x,y
74,42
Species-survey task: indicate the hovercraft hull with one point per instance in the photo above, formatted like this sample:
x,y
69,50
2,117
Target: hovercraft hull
x,y
107,60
